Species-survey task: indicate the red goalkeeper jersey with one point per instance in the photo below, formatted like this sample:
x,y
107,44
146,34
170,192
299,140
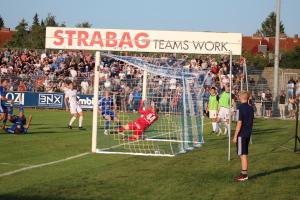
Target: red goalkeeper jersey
x,y
147,119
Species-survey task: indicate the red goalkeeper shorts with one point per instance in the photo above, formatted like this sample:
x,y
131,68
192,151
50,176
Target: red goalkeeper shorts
x,y
135,128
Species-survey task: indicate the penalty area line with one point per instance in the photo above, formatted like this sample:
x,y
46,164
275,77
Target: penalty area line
x,y
43,164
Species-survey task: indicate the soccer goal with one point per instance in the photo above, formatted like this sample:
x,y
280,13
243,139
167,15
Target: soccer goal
x,y
174,92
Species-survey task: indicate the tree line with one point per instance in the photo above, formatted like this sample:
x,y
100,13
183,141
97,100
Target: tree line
x,y
33,37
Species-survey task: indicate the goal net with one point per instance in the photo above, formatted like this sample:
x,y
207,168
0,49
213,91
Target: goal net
x,y
170,89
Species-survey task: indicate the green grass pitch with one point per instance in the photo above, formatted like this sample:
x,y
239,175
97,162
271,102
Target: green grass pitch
x,y
203,173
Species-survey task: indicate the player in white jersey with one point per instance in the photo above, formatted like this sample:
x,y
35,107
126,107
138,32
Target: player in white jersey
x,y
72,104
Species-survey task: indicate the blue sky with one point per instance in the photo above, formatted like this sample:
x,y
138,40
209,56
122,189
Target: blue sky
x,y
243,16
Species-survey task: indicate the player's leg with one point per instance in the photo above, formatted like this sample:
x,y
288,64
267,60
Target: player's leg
x,y
137,134
2,115
74,115
73,118
80,113
117,120
130,126
220,120
28,121
242,151
10,113
226,121
11,129
107,124
5,110
213,117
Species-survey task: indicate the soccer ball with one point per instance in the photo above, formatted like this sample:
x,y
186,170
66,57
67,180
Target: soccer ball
x,y
107,84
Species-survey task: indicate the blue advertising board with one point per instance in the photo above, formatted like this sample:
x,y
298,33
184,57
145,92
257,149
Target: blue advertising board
x,y
47,100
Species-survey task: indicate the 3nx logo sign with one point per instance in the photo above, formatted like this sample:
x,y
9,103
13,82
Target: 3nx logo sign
x,y
51,100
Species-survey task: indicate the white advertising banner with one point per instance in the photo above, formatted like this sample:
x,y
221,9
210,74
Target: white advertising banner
x,y
143,40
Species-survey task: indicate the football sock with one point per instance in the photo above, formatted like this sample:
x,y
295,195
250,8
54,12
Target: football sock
x,y
214,125
244,172
107,125
80,121
217,127
72,120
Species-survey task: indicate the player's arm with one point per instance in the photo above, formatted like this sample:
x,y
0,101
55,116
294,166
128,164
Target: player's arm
x,y
238,127
141,111
237,130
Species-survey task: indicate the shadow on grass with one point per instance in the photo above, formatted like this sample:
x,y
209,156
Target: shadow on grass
x,y
258,131
284,169
28,197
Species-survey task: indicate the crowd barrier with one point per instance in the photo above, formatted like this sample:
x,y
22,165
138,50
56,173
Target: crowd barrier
x,y
47,100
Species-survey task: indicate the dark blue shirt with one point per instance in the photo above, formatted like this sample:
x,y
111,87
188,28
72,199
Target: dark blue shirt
x,y
2,94
246,115
106,104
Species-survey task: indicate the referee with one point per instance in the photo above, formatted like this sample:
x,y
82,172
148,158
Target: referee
x,y
243,133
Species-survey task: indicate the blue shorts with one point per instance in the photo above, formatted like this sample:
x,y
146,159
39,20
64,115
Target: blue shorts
x,y
15,129
108,113
242,145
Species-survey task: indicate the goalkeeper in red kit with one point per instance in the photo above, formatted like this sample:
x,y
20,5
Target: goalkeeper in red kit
x,y
147,118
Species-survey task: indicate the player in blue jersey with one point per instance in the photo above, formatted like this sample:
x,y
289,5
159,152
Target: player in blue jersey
x,y
3,108
20,124
107,109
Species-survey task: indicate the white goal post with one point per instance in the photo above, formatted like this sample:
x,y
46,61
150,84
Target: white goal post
x,y
158,42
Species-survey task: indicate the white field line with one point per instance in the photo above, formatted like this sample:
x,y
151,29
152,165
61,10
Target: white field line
x,y
43,164
16,164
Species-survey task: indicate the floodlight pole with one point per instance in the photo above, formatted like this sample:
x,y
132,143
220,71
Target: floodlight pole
x,y
230,104
95,101
276,54
297,138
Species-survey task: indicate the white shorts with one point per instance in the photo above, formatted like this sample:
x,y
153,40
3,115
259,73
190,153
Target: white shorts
x,y
224,113
213,114
75,108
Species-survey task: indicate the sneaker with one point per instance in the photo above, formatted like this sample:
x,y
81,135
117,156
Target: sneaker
x,y
69,127
197,145
105,132
241,178
81,128
188,148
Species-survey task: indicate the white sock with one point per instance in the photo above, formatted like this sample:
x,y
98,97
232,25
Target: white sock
x,y
217,127
80,121
214,125
72,120
226,128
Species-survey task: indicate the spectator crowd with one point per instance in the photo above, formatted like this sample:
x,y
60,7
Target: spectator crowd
x,y
34,71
